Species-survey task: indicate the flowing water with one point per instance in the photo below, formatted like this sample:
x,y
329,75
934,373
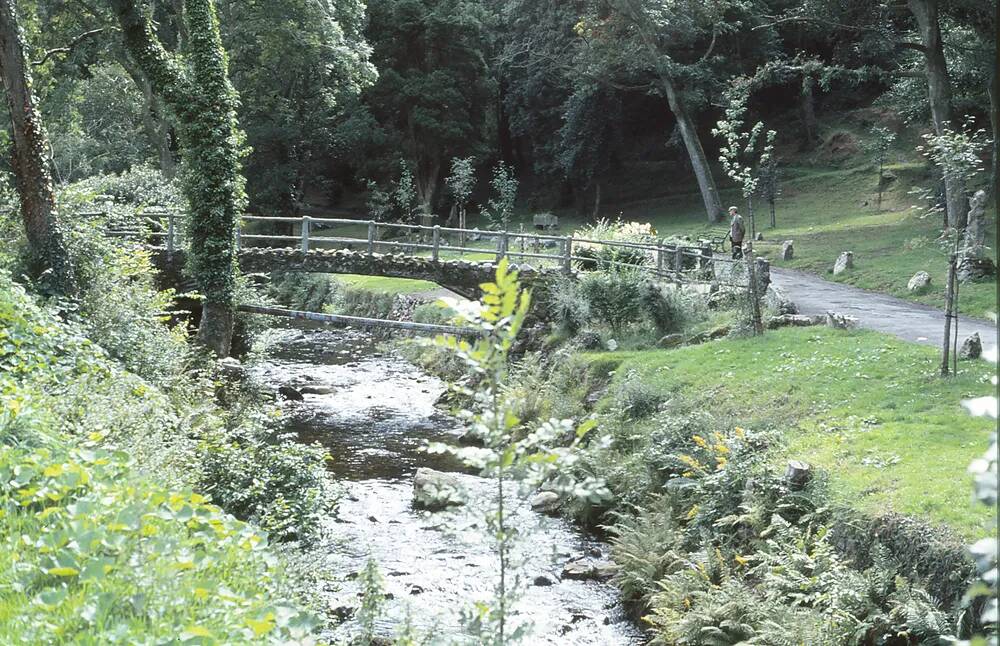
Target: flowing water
x,y
373,412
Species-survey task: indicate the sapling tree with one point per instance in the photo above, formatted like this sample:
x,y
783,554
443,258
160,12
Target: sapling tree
x,y
379,202
745,152
878,147
500,206
460,183
404,197
517,457
770,189
956,153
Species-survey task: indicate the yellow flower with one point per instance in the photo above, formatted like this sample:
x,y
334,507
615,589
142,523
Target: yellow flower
x,y
699,440
740,560
721,463
691,514
740,433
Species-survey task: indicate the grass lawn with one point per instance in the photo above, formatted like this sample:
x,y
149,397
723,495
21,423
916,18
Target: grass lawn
x,y
385,285
823,212
866,408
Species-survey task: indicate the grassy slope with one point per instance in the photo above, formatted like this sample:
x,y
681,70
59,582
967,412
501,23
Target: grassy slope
x,y
850,403
822,210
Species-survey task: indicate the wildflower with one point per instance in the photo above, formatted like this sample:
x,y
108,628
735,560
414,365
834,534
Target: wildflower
x,y
699,440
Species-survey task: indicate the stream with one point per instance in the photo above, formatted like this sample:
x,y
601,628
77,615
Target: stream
x,y
373,411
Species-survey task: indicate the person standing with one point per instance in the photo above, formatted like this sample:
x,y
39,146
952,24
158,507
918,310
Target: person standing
x,y
737,231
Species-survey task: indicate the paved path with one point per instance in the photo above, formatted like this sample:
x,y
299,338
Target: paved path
x,y
909,321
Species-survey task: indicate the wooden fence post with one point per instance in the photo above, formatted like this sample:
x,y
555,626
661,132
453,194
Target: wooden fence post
x,y
678,260
755,314
659,257
371,236
436,250
170,235
502,245
568,254
305,233
949,299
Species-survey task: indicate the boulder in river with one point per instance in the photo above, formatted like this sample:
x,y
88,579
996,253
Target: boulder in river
x,y
290,394
436,490
589,570
316,390
546,502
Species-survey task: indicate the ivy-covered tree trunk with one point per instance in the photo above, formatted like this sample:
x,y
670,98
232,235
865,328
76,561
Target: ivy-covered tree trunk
x,y
48,255
939,96
205,103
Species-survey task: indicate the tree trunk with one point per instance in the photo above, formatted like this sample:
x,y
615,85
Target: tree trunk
x,y
427,180
939,96
155,124
205,103
699,162
808,98
46,246
597,200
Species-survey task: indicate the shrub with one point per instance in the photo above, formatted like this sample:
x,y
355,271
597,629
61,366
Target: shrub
x,y
614,297
272,481
364,303
646,546
635,398
302,291
670,310
139,186
436,313
567,306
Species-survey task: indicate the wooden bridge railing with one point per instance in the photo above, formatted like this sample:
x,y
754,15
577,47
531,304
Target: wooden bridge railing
x,y
664,259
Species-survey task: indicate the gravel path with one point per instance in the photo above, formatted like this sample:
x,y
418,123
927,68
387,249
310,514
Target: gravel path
x,y
909,321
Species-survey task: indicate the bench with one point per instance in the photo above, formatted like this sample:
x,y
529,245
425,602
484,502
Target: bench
x,y
717,238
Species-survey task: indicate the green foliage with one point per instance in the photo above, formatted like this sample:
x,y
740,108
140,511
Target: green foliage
x,y
108,541
635,399
297,65
957,155
434,95
462,179
612,257
513,450
372,600
566,306
138,187
670,310
614,297
278,485
500,206
205,102
109,558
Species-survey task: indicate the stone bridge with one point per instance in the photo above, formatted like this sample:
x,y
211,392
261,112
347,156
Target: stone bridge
x,y
460,276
